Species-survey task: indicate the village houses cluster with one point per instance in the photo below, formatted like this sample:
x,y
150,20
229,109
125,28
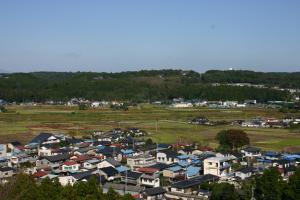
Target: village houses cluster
x,y
121,160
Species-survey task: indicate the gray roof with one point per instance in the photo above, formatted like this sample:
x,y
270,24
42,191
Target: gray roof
x,y
113,162
195,181
42,137
57,158
154,191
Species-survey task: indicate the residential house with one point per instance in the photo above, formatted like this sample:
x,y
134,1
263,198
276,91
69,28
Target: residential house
x,y
70,166
173,172
91,164
6,172
217,166
140,161
251,152
153,193
167,156
52,161
150,179
189,188
45,138
3,150
130,177
109,162
246,172
109,173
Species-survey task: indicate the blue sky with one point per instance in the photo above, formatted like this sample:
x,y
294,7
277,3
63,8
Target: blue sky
x,y
87,35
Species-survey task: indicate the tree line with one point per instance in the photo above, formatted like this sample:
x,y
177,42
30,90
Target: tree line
x,y
24,187
268,186
140,86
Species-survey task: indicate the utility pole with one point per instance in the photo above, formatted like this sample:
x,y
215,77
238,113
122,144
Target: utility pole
x,y
125,182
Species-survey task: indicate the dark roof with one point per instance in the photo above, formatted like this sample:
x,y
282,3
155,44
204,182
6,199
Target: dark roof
x,y
283,161
237,154
194,181
170,153
252,149
160,166
42,137
154,191
109,151
131,174
57,158
103,143
163,146
113,162
51,145
247,170
15,143
110,171
5,169
146,148
82,175
86,149
73,140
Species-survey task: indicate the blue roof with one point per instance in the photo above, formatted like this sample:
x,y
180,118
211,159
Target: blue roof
x,y
165,146
183,163
264,160
122,169
127,151
183,157
291,157
196,161
192,171
175,168
101,147
271,153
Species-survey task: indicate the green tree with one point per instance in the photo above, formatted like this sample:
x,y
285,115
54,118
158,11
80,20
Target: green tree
x,y
148,142
223,191
112,195
49,189
294,183
269,186
82,106
232,139
23,188
68,193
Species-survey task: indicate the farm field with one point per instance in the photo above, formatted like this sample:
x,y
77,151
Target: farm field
x,y
23,122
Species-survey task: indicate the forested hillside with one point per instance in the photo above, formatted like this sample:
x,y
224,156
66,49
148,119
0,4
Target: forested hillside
x,y
144,85
281,79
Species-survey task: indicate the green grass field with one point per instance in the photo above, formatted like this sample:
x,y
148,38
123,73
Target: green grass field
x,y
22,123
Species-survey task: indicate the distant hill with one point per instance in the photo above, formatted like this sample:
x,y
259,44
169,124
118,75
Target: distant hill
x,y
144,85
3,71
281,79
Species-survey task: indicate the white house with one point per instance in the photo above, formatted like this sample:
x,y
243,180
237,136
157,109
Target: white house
x,y
140,161
217,166
150,180
251,152
182,105
245,172
167,156
70,166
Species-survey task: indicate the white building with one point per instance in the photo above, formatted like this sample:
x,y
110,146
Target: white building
x,y
217,166
182,105
140,161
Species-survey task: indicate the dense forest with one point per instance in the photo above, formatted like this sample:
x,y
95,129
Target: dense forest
x,y
145,85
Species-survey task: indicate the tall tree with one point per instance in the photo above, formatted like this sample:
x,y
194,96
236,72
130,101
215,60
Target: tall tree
x,y
223,191
232,139
269,186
